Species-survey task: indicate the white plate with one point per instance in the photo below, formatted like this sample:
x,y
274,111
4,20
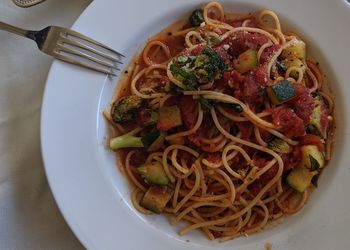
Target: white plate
x,y
89,189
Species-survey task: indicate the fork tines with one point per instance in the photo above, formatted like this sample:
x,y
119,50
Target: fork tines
x,y
79,49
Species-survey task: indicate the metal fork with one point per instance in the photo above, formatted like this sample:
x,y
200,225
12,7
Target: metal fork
x,y
72,47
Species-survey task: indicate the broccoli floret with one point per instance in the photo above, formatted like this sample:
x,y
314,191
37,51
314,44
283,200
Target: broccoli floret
x,y
153,173
125,141
208,65
187,77
124,109
215,62
196,18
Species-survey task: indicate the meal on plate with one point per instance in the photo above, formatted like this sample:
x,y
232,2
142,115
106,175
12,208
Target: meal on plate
x,y
222,122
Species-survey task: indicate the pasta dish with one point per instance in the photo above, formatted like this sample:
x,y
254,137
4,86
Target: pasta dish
x,y
223,122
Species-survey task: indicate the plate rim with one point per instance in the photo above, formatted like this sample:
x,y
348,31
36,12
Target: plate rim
x,y
70,221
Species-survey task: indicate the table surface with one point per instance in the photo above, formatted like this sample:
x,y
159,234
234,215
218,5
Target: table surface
x,y
29,215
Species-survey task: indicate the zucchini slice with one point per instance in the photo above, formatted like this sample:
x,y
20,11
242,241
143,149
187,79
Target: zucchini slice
x,y
156,198
312,157
281,92
300,178
246,61
315,121
280,146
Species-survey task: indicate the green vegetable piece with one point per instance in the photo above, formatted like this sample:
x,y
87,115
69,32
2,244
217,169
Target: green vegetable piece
x,y
300,178
202,76
246,61
178,73
188,78
215,63
281,92
156,198
169,117
149,138
196,18
206,67
315,121
125,141
124,109
153,173
296,50
183,60
150,117
158,143
310,154
214,40
314,165
201,61
280,146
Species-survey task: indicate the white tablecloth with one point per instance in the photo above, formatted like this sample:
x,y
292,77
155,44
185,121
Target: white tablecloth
x,y
29,217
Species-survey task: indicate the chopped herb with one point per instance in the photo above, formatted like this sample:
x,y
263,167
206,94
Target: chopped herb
x,y
214,40
208,65
201,61
205,103
188,78
191,88
202,76
182,59
185,60
216,63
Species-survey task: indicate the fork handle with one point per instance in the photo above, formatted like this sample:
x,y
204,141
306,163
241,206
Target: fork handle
x,y
15,30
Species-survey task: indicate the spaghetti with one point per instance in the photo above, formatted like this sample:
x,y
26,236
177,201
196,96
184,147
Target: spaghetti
x,y
223,122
